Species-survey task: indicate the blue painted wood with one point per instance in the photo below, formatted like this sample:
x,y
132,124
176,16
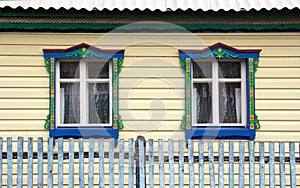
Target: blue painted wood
x,y
191,163
251,165
161,163
261,164
101,162
60,175
142,163
171,164
50,163
71,162
81,163
271,165
9,162
131,163
121,163
151,163
20,163
181,163
282,165
111,163
221,165
292,165
1,161
241,164
211,164
40,162
30,163
231,164
201,163
91,163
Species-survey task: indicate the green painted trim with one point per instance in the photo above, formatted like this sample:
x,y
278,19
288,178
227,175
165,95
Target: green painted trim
x,y
152,27
63,13
219,53
83,52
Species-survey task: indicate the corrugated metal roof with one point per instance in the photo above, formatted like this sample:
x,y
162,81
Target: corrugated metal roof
x,y
162,5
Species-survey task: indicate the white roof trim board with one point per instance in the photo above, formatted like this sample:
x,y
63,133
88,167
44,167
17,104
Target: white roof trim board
x,y
162,5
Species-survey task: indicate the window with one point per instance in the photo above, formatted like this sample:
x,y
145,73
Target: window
x,y
84,91
83,94
219,92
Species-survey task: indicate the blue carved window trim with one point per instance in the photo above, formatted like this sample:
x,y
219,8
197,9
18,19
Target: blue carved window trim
x,y
220,51
85,51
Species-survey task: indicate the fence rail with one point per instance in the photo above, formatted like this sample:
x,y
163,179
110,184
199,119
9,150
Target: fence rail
x,y
140,163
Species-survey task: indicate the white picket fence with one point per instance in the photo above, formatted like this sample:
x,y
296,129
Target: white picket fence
x,y
141,161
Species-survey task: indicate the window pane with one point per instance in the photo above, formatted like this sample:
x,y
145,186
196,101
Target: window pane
x,y
98,70
202,69
202,103
230,102
229,69
98,103
69,103
69,70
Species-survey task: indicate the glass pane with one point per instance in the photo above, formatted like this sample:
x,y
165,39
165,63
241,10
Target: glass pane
x,y
202,103
69,70
98,103
98,70
202,69
69,103
230,102
229,70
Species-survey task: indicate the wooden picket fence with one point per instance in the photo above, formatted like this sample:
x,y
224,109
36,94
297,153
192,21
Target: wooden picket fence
x,y
141,161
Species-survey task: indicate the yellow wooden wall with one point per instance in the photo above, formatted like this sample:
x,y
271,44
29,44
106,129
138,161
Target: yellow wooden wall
x,y
151,82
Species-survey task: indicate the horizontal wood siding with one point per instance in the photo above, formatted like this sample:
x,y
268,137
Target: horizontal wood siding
x,y
151,81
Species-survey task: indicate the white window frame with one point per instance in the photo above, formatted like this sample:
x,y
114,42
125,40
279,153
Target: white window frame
x,y
83,81
215,80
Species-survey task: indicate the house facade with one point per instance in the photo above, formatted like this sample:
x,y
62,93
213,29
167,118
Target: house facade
x,y
161,70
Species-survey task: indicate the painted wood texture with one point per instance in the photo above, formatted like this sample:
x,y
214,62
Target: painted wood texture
x,y
171,160
151,78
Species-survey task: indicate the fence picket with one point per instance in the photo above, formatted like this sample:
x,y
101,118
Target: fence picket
x,y
1,160
131,163
271,165
151,163
201,163
181,163
221,165
50,163
81,163
111,163
101,162
71,162
121,163
141,163
211,164
40,162
231,164
60,149
9,162
30,163
91,163
251,165
171,163
282,165
241,164
20,163
292,165
191,163
261,165
161,163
